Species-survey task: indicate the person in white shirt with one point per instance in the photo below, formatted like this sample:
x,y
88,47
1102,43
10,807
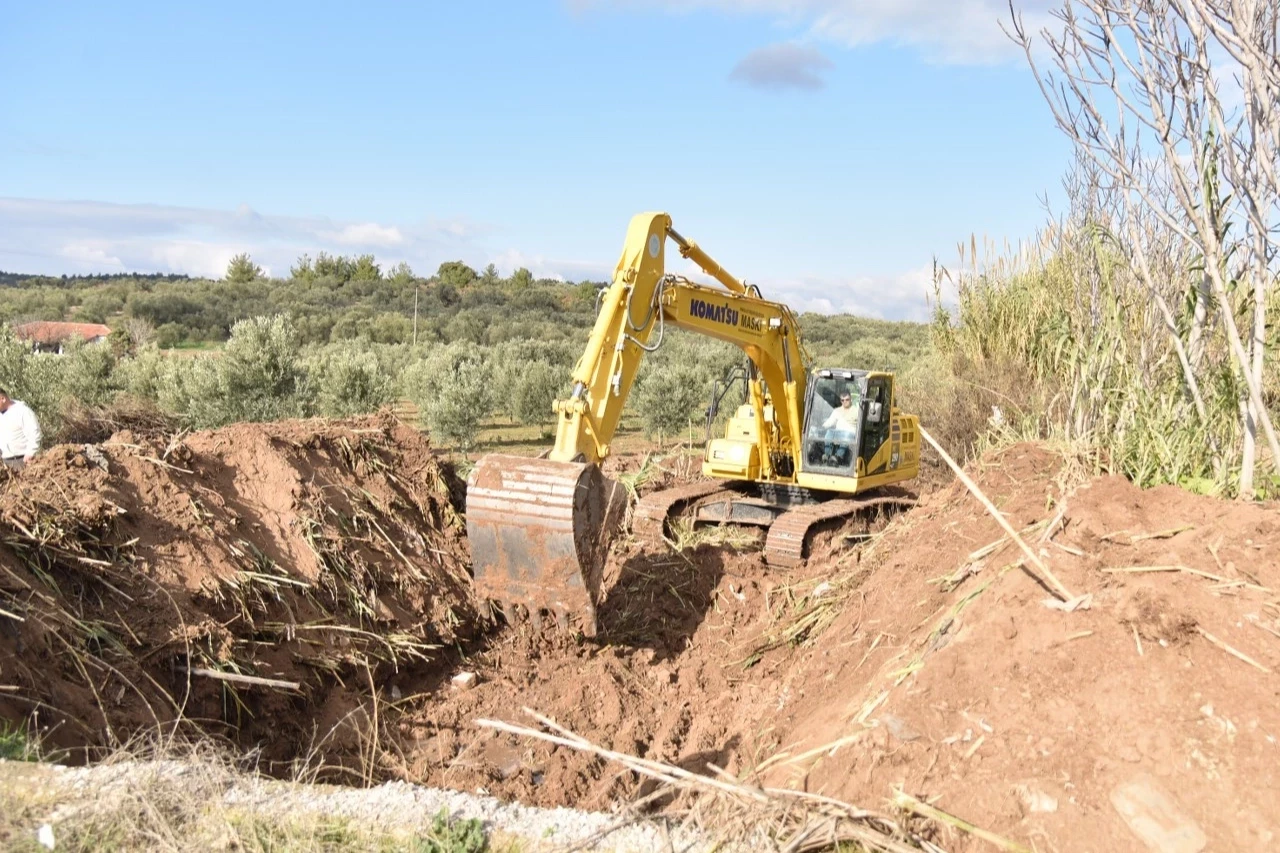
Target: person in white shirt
x,y
843,422
19,432
845,418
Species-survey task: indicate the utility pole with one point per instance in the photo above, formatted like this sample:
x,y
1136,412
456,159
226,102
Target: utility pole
x,y
416,288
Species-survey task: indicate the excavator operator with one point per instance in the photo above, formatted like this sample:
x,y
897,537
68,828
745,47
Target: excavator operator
x,y
845,418
841,424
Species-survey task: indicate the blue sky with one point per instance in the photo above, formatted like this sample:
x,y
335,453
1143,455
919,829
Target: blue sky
x,y
826,149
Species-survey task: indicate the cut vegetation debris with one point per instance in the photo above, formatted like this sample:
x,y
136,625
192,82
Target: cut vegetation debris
x,y
234,577
194,582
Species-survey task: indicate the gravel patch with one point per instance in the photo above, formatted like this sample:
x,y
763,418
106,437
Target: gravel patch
x,y
395,806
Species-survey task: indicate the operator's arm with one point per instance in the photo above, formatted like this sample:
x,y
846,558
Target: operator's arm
x,y
831,419
31,429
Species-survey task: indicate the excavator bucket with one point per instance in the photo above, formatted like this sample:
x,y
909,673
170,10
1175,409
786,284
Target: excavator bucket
x,y
539,533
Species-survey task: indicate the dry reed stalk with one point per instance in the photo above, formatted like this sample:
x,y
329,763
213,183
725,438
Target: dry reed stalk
x,y
991,548
250,680
1039,565
1075,552
1079,635
780,808
904,800
1114,536
1162,534
1267,628
783,759
1231,650
1053,525
164,464
1197,572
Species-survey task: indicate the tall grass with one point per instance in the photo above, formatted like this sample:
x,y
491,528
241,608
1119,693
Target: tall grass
x,y
1062,339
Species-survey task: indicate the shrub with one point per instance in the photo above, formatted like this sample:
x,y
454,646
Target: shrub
x,y
669,399
83,376
84,373
142,375
259,376
535,388
453,388
348,380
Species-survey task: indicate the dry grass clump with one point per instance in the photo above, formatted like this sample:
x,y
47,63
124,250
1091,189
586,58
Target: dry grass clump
x,y
686,534
196,799
94,424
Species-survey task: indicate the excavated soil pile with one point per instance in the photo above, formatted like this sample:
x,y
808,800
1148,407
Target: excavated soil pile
x,y
141,579
139,575
926,660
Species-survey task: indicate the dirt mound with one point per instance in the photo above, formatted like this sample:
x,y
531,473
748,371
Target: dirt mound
x,y
142,579
922,658
913,662
1076,727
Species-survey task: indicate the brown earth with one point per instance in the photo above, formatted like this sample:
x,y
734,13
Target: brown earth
x,y
308,552
927,670
899,661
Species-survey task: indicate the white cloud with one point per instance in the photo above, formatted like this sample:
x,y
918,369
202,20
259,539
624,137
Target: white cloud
x,y
369,234
901,296
782,66
511,260
191,256
55,237
90,253
950,31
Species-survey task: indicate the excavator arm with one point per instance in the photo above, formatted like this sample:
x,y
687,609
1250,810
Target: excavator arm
x,y
636,309
539,528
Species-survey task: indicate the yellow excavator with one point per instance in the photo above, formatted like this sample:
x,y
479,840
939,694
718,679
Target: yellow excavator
x,y
795,454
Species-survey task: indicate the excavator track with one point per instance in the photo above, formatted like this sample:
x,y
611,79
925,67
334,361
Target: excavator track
x,y
785,545
649,518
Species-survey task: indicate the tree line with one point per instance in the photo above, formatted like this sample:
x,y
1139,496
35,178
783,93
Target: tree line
x,y
342,336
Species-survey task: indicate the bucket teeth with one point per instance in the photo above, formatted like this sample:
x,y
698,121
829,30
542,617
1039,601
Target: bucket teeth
x,y
539,533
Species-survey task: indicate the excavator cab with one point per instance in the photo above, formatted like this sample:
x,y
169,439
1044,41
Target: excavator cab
x,y
837,413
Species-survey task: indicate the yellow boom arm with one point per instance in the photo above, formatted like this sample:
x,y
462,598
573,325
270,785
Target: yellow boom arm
x,y
641,300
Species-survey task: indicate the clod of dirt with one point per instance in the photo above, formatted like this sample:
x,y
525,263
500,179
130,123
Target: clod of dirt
x,y
1155,616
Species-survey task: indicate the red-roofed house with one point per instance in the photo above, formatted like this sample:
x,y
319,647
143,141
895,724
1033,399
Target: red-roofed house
x,y
47,336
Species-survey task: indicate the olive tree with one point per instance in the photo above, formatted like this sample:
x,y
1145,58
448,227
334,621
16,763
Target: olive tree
x,y
453,387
